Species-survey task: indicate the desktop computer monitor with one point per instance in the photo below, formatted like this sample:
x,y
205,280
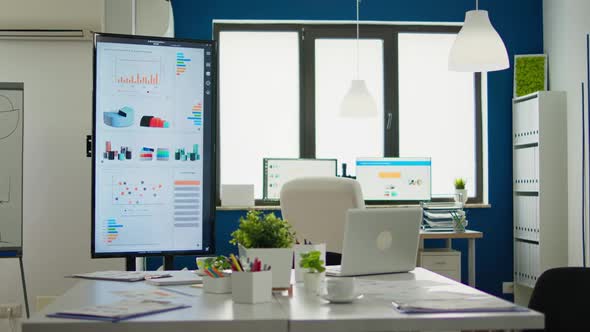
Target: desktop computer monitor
x,y
278,171
394,179
153,146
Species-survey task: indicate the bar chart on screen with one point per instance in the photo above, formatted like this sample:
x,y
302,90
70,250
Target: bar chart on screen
x,y
128,231
138,75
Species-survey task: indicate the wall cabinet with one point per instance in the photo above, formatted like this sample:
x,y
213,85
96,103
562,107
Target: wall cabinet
x,y
539,186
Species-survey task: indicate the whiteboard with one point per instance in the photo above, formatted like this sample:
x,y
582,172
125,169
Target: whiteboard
x,y
11,166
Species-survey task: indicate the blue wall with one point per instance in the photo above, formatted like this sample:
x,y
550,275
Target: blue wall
x,y
520,23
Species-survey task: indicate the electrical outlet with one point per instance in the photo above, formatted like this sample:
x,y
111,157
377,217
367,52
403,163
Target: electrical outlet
x,y
11,310
508,287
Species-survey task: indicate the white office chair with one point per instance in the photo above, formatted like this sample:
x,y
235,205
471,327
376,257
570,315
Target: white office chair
x,y
316,207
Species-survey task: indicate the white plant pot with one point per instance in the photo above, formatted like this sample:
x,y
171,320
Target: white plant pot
x,y
280,260
251,287
461,196
312,282
305,248
217,285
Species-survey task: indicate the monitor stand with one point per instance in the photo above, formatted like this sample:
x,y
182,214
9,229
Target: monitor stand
x,y
130,263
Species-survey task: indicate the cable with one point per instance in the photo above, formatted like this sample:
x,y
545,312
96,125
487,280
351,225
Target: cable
x,y
358,60
12,109
11,320
583,181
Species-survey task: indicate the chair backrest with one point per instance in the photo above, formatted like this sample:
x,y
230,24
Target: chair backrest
x,y
562,294
316,207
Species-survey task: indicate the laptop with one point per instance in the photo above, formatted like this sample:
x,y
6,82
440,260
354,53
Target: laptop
x,y
378,241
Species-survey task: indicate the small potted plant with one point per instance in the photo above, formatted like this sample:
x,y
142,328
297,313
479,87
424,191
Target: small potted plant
x,y
268,238
216,278
460,191
459,221
315,268
219,262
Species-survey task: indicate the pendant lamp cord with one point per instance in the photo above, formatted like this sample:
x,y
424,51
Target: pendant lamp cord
x,y
476,4
357,40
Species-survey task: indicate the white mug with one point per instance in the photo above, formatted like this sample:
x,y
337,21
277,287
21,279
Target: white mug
x,y
340,289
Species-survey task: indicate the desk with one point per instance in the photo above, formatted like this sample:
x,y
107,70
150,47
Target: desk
x,y
208,312
212,312
375,313
449,236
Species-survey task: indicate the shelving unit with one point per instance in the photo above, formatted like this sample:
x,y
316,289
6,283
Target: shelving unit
x,y
539,187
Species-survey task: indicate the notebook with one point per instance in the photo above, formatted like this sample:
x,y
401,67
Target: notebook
x,y
177,278
128,276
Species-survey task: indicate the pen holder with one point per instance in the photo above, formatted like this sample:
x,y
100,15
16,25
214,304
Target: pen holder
x,y
217,285
251,287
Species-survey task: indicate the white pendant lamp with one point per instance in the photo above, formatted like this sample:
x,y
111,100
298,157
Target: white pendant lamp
x,y
478,46
358,102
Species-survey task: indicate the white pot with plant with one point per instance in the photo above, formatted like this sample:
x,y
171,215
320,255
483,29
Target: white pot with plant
x,y
270,239
312,278
461,194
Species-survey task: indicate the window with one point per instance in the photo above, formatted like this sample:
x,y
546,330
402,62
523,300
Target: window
x,y
436,114
281,85
258,102
335,136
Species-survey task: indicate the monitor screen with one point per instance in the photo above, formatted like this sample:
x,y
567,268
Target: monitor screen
x,y
153,160
394,179
278,171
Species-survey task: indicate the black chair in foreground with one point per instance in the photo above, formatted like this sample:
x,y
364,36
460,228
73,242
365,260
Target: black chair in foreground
x,y
562,294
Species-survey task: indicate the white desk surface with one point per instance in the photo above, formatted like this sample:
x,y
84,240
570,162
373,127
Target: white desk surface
x,y
208,312
375,312
211,312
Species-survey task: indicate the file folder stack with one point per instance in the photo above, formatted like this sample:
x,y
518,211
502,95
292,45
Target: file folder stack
x,y
439,216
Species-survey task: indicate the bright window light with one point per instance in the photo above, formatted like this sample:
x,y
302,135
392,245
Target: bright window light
x,y
258,102
436,111
340,137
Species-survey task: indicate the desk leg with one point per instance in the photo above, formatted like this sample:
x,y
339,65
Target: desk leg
x,y
449,244
471,262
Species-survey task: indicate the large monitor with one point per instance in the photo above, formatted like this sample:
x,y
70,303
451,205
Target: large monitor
x,y
153,159
278,171
394,179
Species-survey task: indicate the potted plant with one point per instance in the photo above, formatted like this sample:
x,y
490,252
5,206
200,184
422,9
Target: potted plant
x,y
315,268
268,238
460,191
216,278
219,262
459,221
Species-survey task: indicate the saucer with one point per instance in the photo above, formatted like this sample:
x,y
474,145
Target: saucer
x,y
338,300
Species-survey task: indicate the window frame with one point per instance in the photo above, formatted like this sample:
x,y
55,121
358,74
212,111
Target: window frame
x,y
309,32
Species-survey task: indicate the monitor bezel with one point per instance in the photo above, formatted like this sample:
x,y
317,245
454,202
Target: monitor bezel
x,y
209,133
394,201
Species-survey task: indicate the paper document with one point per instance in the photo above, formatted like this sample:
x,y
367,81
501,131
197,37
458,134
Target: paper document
x,y
469,304
121,275
155,294
425,296
121,310
435,216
